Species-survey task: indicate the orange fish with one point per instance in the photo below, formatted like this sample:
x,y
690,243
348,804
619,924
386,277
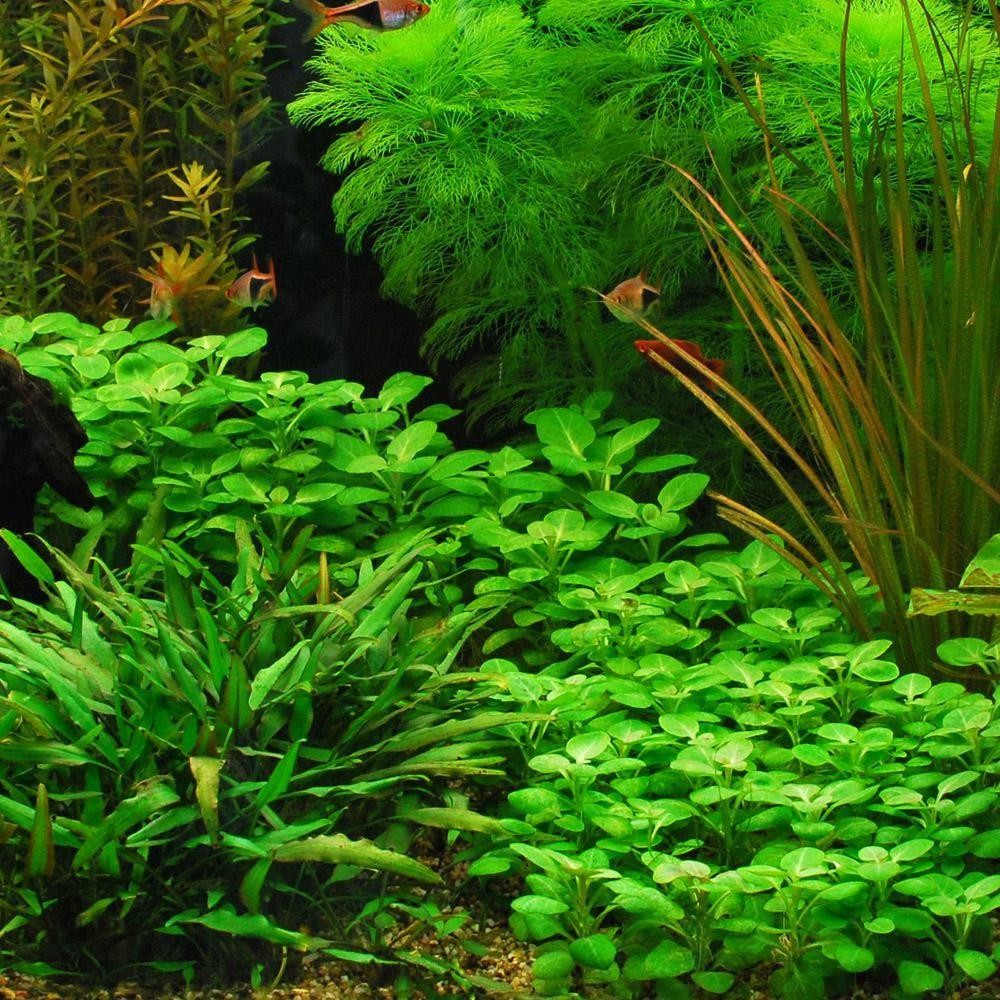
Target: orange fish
x,y
254,288
163,296
379,15
676,358
631,298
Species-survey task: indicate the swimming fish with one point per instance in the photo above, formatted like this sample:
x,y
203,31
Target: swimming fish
x,y
631,298
163,295
676,358
254,288
379,15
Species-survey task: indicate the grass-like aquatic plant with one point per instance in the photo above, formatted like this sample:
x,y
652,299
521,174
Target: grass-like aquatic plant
x,y
902,424
99,103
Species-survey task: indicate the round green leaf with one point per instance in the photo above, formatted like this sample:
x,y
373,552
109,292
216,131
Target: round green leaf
x,y
587,746
317,492
964,652
92,366
548,763
682,491
975,964
616,505
596,951
912,685
242,344
668,961
134,368
563,428
916,978
552,965
489,866
853,958
714,982
538,904
533,800
876,671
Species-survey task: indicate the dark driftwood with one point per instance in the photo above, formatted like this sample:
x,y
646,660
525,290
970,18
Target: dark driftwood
x,y
38,438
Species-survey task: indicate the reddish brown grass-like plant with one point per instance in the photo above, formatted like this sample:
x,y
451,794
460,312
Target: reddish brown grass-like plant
x,y
897,399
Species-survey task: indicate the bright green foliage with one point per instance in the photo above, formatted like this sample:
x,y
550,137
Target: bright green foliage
x,y
706,800
511,156
219,732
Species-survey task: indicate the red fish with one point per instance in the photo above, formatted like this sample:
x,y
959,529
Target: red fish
x,y
676,358
379,15
254,288
631,298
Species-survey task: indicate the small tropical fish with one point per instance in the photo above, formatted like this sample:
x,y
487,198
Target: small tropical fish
x,y
163,295
676,358
254,288
631,298
379,15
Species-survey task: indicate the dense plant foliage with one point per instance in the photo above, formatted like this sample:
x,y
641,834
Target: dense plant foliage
x,y
307,680
769,793
506,157
300,627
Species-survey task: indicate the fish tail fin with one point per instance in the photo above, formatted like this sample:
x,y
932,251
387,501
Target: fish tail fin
x,y
317,17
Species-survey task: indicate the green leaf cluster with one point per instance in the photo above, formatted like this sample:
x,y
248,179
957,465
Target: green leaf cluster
x,y
508,158
271,660
709,799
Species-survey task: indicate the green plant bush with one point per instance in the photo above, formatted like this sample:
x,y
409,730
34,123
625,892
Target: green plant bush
x,y
223,759
505,157
763,790
300,626
102,108
262,626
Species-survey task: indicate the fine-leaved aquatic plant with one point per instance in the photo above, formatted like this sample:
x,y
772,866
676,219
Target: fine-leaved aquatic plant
x,y
506,156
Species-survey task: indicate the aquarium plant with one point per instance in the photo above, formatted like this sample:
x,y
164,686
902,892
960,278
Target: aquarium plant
x,y
902,423
106,112
504,160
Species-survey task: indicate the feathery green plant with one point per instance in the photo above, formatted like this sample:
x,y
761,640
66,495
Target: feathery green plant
x,y
903,428
507,155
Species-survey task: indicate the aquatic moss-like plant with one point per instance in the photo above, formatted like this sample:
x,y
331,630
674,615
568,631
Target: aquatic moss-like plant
x,y
99,102
493,189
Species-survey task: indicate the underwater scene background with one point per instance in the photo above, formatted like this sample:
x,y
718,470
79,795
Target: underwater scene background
x,y
290,669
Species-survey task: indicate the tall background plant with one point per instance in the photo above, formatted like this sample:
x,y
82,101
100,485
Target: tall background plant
x,y
901,420
106,110
506,157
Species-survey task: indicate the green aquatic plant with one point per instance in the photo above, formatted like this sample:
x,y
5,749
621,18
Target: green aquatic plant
x,y
497,181
98,103
506,157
